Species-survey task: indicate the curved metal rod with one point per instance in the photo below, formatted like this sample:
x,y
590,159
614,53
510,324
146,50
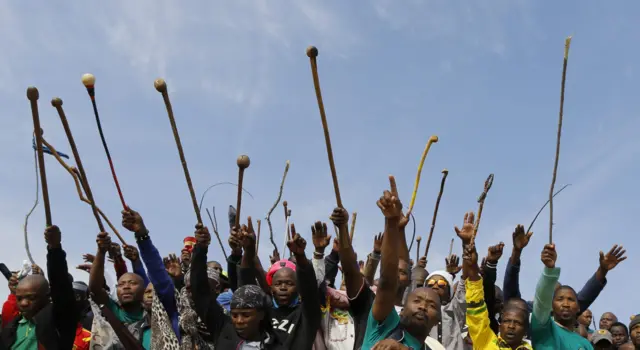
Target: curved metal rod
x,y
414,231
219,183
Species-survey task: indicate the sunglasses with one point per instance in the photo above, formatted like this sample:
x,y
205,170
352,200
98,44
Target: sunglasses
x,y
440,283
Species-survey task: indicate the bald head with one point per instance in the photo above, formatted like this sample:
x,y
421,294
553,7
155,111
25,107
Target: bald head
x,y
607,319
35,282
32,294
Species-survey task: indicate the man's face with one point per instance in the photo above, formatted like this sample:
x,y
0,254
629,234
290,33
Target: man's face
x,y
513,327
422,309
31,299
441,286
185,256
635,335
247,322
216,266
565,306
607,320
283,286
130,289
619,334
585,318
148,297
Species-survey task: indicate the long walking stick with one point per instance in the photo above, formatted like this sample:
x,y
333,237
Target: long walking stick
x,y
33,95
217,235
432,139
258,237
445,173
273,207
89,81
35,204
57,104
483,196
567,44
451,247
243,162
312,53
161,86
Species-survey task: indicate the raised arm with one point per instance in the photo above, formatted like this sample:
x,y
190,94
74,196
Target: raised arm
x,y
158,276
205,302
62,296
543,302
489,282
598,281
306,278
320,242
391,207
131,253
234,260
511,284
373,259
96,276
352,277
247,239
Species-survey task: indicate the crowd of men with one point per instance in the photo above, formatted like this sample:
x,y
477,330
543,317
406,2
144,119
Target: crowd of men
x,y
195,302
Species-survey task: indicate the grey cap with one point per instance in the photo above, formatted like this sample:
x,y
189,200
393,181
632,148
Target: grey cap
x,y
601,334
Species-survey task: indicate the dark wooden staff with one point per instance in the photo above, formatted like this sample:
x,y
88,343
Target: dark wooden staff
x,y
451,247
445,173
57,104
544,206
312,53
567,44
418,239
483,196
243,163
89,81
354,217
33,95
258,236
161,86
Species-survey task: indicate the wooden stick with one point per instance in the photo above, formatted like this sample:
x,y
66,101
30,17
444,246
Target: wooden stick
x,y
544,206
35,204
451,247
354,216
312,53
258,237
445,173
217,235
161,87
432,139
418,239
288,217
33,95
243,162
273,207
567,44
57,104
215,219
286,234
80,187
483,196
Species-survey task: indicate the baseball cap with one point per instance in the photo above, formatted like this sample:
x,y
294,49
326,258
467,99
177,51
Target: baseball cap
x,y
601,334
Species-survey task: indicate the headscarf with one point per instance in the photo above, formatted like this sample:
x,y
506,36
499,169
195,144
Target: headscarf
x,y
224,299
278,266
211,274
249,296
444,274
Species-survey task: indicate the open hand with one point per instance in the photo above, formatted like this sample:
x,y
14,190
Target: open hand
x,y
466,234
452,263
615,256
549,256
389,203
172,265
88,257
319,236
248,236
84,267
297,244
377,243
13,283
520,238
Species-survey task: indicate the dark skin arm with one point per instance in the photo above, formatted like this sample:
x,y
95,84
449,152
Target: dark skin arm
x,y
391,208
609,261
352,277
306,278
466,235
96,276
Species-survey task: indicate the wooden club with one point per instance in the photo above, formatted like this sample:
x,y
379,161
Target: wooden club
x,y
33,95
243,162
161,87
312,53
445,173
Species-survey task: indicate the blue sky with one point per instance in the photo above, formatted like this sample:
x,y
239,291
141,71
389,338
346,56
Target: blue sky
x,y
484,77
